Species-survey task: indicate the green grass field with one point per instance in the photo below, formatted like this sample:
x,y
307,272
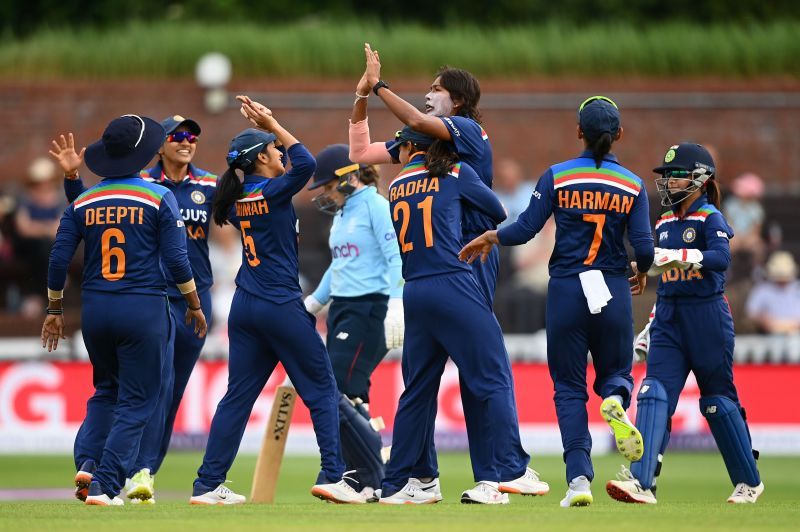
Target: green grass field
x,y
692,496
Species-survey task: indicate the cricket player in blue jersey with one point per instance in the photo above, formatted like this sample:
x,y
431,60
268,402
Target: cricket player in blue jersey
x,y
594,199
133,231
194,191
452,117
446,315
692,330
268,322
364,284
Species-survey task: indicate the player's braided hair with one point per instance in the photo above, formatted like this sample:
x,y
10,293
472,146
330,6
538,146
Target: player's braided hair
x,y
464,89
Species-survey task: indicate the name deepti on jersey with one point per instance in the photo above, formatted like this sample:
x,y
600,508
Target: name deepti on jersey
x,y
113,215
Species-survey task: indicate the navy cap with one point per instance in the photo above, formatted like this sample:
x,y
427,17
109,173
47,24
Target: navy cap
x,y
598,115
332,163
128,144
686,156
171,123
409,135
246,146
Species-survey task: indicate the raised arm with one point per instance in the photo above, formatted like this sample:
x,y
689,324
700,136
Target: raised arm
x,y
70,161
404,111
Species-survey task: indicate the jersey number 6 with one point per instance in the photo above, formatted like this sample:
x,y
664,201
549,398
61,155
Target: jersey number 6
x,y
108,252
402,207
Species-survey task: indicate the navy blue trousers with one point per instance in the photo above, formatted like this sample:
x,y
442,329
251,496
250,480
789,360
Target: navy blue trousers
x,y
572,331
447,316
128,339
185,352
356,341
263,333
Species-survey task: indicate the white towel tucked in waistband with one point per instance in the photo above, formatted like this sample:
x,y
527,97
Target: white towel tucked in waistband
x,y
595,289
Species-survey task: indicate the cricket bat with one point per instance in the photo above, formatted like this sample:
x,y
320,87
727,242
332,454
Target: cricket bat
x,y
268,464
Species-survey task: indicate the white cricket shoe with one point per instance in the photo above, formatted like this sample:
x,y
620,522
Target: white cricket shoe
x,y
484,492
221,495
410,494
578,494
141,486
103,500
433,487
339,492
627,489
626,435
527,484
744,494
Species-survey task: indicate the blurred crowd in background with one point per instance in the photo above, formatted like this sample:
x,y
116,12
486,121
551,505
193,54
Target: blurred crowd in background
x,y
763,285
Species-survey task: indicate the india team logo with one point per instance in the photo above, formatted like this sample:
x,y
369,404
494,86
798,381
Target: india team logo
x,y
689,234
198,197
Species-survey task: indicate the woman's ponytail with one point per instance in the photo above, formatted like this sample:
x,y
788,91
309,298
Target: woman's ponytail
x,y
600,148
229,189
712,191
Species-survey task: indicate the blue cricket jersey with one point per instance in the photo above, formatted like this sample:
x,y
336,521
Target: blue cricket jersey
x,y
130,228
472,145
266,218
702,227
365,257
592,207
426,212
195,195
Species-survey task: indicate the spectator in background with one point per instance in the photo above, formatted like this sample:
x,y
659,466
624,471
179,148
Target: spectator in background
x,y
225,254
36,221
774,305
512,188
745,214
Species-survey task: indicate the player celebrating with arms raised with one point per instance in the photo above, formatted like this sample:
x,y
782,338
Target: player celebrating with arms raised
x,y
268,322
594,200
446,314
452,118
692,330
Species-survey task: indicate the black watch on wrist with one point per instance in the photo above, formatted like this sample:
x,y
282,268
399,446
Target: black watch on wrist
x,y
380,85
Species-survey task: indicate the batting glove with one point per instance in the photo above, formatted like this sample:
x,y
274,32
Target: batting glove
x,y
312,305
394,323
667,259
641,345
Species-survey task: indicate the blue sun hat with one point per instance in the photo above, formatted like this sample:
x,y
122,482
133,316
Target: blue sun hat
x,y
128,144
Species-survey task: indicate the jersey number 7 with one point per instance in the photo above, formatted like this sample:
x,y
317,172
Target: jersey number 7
x,y
599,220
404,209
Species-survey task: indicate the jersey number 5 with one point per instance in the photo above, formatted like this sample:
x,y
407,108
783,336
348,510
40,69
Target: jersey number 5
x,y
108,252
599,220
249,244
402,207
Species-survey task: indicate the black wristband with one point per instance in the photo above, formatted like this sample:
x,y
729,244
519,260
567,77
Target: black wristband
x,y
193,309
381,84
55,311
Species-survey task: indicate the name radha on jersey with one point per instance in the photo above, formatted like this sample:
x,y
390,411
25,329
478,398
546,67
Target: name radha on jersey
x,y
420,186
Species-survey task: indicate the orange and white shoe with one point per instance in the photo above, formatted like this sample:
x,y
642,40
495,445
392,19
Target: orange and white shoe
x,y
485,492
627,489
338,492
83,478
96,497
527,484
411,493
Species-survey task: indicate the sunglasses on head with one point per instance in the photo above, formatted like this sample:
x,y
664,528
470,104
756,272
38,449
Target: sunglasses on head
x,y
591,99
180,136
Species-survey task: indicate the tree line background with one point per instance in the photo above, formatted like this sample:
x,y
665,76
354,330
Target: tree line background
x,y
23,17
